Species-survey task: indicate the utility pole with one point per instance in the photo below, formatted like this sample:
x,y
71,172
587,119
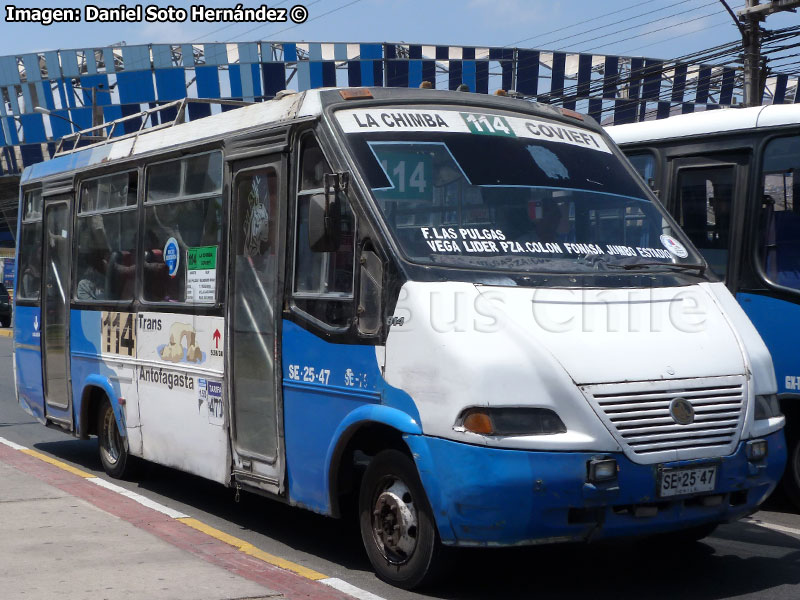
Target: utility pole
x,y
749,24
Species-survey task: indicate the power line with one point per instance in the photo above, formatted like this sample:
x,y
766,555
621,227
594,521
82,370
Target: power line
x,y
338,8
677,14
675,37
640,35
634,5
205,35
633,37
594,29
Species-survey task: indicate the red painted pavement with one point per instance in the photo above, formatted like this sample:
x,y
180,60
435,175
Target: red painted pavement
x,y
291,585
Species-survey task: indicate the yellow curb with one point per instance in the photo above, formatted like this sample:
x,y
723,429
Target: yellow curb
x,y
57,463
251,550
6,333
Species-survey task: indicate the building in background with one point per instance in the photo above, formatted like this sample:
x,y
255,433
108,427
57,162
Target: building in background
x,y
48,95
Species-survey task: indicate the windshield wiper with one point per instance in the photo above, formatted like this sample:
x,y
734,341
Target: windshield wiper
x,y
644,265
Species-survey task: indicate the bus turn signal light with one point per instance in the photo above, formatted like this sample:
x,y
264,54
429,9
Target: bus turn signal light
x,y
478,422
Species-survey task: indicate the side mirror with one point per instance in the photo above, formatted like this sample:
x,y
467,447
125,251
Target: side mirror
x,y
325,212
370,294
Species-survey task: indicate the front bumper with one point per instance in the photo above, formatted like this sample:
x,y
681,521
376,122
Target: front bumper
x,y
493,497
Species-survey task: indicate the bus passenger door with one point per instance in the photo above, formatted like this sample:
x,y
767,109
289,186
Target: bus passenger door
x,y
254,308
708,202
55,312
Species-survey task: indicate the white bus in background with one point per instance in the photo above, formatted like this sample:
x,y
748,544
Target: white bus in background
x,y
465,314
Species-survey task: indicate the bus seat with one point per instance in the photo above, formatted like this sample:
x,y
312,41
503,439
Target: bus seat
x,y
155,274
119,276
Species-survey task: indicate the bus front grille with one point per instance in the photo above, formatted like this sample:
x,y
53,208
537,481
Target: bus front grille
x,y
639,416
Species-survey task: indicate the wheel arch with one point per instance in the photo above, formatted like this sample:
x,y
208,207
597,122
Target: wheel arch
x,y
96,389
368,429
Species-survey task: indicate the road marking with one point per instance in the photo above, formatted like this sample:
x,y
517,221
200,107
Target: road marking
x,y
11,444
61,465
241,545
6,333
248,548
143,500
351,590
772,526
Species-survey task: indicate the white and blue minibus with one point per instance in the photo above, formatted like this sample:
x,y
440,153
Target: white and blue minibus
x,y
465,315
731,178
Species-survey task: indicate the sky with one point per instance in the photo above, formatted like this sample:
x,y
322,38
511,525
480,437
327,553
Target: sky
x,y
651,28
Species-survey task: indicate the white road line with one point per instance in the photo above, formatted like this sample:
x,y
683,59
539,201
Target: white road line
x,y
333,582
175,514
351,590
11,444
772,526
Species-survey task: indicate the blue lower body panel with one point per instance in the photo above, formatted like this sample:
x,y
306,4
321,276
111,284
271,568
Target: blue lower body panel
x,y
494,497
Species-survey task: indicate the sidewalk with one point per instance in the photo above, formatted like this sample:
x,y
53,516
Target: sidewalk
x,y
67,534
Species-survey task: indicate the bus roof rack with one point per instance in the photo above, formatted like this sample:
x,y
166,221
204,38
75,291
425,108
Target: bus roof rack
x,y
101,134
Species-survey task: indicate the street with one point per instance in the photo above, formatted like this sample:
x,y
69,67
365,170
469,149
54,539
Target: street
x,y
741,560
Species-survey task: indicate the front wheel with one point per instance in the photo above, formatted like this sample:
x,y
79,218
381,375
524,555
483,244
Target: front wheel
x,y
397,525
684,537
114,454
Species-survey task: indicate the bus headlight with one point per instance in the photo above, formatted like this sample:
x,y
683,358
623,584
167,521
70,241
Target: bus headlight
x,y
510,421
767,407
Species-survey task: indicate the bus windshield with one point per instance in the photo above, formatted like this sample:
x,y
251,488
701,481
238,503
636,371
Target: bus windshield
x,y
502,192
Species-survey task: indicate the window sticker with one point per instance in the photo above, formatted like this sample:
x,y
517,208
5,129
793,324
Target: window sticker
x,y
365,120
472,240
210,393
172,256
256,223
201,274
674,246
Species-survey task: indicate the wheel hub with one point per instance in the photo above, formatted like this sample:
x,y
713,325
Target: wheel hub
x,y
111,438
394,522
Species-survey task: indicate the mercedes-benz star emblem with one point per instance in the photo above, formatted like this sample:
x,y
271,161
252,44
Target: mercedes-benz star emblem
x,y
681,411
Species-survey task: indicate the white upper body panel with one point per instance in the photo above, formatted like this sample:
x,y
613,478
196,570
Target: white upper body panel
x,y
463,345
285,108
706,122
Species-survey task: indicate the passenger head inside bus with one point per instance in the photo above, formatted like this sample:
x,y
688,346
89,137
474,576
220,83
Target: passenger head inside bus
x,y
91,285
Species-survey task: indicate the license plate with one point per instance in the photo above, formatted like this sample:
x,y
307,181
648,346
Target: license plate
x,y
676,482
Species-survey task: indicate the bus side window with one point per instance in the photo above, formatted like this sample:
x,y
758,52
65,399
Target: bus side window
x,y
105,265
781,217
705,204
30,248
645,165
323,281
183,221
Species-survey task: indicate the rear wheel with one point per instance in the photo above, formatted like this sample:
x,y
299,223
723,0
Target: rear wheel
x,y
397,525
113,447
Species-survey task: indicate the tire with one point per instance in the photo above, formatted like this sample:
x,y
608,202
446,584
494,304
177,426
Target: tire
x,y
791,477
685,537
397,524
113,447
5,322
